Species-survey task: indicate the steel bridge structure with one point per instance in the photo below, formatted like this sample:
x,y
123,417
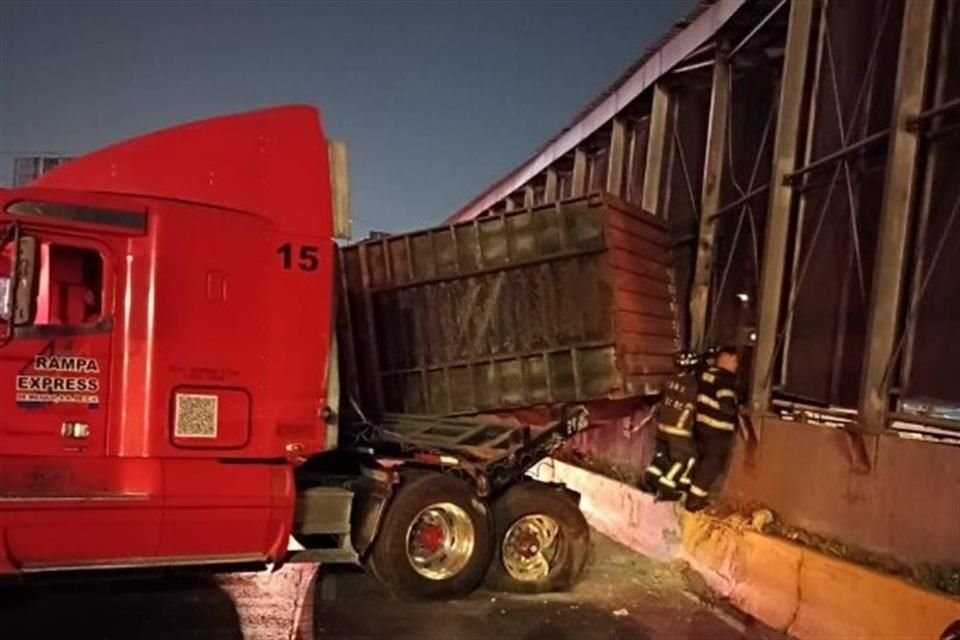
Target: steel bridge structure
x,y
806,157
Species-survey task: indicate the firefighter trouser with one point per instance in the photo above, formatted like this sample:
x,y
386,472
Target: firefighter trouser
x,y
714,450
671,463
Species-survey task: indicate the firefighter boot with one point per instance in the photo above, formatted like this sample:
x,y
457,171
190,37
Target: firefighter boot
x,y
657,468
696,499
667,488
668,494
684,482
648,483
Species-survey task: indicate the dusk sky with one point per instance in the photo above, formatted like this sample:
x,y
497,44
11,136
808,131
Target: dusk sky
x,y
436,100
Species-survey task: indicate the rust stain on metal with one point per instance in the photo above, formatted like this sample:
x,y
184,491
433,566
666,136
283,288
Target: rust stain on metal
x,y
559,303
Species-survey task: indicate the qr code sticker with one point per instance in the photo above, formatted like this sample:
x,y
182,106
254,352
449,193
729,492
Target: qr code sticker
x,y
196,416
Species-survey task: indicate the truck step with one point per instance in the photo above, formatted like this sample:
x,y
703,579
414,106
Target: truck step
x,y
327,556
323,510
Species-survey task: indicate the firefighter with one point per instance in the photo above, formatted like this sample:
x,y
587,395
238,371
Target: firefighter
x,y
668,474
708,359
716,423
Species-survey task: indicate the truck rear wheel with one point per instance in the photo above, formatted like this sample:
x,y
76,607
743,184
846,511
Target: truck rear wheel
x,y
436,539
542,540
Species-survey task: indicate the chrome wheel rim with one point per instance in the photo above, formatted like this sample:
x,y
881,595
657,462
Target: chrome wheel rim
x,y
531,547
440,541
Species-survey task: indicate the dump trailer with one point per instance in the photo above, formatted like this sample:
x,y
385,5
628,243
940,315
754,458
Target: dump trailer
x,y
170,391
570,302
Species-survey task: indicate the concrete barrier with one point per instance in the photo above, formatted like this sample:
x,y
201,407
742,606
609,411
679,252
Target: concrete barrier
x,y
274,605
791,588
629,517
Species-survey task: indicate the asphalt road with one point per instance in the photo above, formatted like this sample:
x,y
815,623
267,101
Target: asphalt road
x,y
623,596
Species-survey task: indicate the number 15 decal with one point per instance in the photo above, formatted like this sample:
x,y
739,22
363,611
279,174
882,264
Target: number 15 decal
x,y
308,260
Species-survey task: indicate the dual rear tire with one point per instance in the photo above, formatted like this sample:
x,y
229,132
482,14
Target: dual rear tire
x,y
438,540
542,540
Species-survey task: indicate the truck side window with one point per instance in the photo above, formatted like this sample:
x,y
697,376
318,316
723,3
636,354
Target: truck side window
x,y
71,285
6,281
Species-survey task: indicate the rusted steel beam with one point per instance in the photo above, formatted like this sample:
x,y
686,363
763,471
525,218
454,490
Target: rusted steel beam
x,y
669,161
919,121
735,205
631,159
529,196
759,27
710,198
657,145
550,189
895,213
692,67
616,158
579,179
839,154
785,150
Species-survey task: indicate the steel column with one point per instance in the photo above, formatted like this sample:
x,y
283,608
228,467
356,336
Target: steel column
x,y
578,185
630,188
616,158
928,195
669,160
710,198
785,150
813,122
657,141
550,189
895,212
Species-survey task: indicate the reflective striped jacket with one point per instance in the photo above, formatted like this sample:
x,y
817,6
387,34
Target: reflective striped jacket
x,y
678,407
717,399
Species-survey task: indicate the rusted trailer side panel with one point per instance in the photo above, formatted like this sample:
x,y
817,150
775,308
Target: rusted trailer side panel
x,y
571,302
645,304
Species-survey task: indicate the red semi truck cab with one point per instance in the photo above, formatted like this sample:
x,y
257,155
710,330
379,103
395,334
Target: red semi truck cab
x,y
169,391
168,353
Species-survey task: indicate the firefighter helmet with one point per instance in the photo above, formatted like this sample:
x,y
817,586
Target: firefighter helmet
x,y
686,360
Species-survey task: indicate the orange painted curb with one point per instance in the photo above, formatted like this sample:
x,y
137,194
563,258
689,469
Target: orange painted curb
x,y
756,574
808,594
844,600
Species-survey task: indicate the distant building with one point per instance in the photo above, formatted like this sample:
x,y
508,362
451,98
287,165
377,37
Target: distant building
x,y
28,168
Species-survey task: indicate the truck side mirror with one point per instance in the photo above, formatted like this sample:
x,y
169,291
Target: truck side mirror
x,y
25,291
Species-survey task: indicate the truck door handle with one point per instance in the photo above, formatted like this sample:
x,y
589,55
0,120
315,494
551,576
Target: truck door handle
x,y
75,430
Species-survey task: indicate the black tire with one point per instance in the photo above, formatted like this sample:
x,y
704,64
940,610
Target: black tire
x,y
390,559
370,566
566,557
